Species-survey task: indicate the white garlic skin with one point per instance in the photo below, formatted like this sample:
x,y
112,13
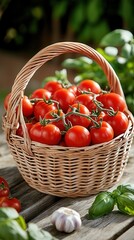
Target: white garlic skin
x,y
66,220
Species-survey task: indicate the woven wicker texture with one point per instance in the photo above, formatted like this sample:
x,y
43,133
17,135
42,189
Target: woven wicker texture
x,y
63,171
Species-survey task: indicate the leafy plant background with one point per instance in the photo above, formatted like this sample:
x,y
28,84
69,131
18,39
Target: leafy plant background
x,y
28,26
31,23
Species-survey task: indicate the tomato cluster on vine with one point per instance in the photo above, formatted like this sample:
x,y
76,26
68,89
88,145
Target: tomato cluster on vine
x,y
6,200
73,115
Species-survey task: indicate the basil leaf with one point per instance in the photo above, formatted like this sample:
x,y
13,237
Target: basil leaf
x,y
126,188
125,203
8,212
34,233
102,205
117,37
10,229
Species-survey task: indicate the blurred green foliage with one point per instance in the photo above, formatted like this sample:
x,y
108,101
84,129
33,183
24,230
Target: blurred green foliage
x,y
25,22
117,47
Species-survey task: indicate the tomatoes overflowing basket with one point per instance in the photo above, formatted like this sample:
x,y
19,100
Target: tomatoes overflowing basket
x,y
68,140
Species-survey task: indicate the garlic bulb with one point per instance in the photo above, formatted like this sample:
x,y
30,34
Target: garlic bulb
x,y
66,220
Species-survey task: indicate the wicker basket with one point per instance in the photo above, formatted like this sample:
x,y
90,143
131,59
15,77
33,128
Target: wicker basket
x,y
64,171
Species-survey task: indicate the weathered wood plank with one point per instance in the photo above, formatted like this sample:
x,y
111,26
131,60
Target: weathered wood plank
x,y
128,235
32,201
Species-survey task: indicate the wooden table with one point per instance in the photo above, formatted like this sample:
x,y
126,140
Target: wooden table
x,y
38,207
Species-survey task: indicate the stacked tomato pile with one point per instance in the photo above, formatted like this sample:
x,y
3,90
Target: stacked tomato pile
x,y
73,116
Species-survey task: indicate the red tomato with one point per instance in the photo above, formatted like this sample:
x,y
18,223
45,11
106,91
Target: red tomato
x,y
101,134
2,200
27,107
41,108
77,136
19,131
41,93
64,97
112,100
11,202
97,118
52,86
53,115
73,89
6,100
77,119
119,122
89,85
87,100
49,134
4,187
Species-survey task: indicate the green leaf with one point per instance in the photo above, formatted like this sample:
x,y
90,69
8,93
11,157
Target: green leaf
x,y
21,222
117,38
126,50
10,229
8,212
35,233
126,188
112,51
60,10
102,205
77,16
94,10
125,203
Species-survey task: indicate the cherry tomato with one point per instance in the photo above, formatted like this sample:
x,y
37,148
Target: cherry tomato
x,y
77,136
101,134
27,107
53,115
87,100
77,119
112,100
19,131
64,97
119,122
41,108
6,100
4,187
73,89
41,93
49,134
2,200
11,202
89,85
52,86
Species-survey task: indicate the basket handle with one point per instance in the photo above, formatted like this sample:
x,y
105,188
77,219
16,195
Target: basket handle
x,y
47,54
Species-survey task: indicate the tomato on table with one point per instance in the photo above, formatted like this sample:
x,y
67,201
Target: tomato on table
x,y
11,202
4,187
